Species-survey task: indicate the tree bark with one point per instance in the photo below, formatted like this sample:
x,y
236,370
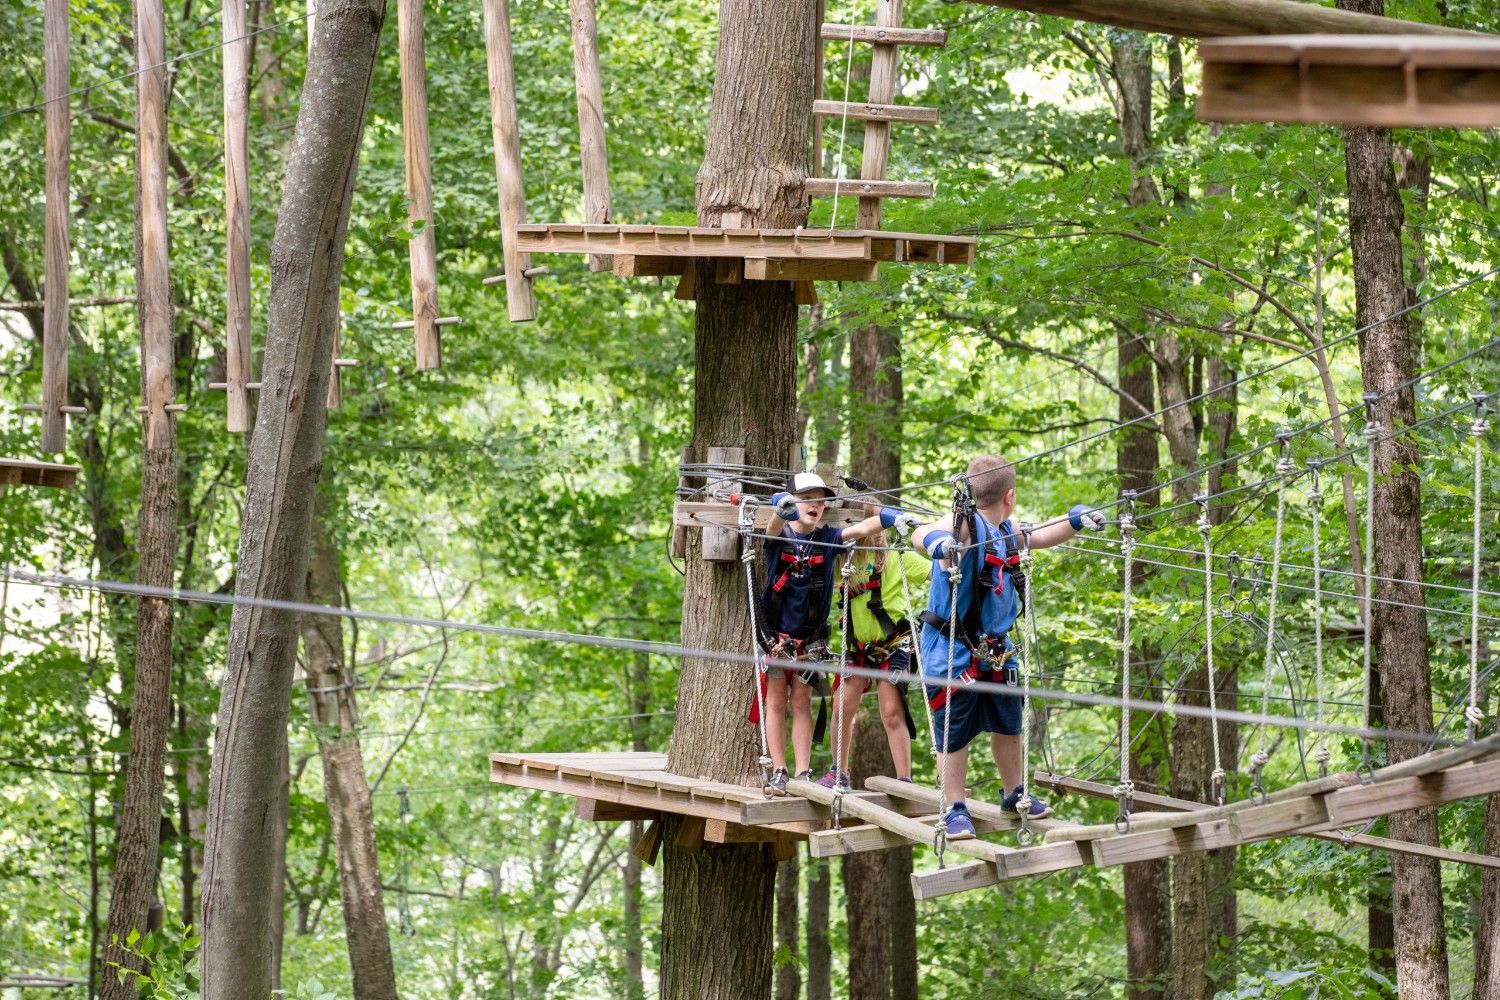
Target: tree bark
x,y
716,911
867,875
1487,926
138,832
819,951
282,474
280,825
1399,620
335,718
788,906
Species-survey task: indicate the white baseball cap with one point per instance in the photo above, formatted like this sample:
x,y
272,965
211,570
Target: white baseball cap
x,y
802,482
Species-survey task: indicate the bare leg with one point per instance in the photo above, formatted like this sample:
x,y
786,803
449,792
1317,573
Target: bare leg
x,y
1007,753
776,717
850,691
894,720
802,726
955,767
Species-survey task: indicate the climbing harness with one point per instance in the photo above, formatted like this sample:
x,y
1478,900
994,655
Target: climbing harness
x,y
1371,436
1205,528
1478,429
1284,469
762,663
1125,790
1321,755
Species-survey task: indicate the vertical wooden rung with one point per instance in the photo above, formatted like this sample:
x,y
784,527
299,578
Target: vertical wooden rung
x,y
592,149
422,247
506,134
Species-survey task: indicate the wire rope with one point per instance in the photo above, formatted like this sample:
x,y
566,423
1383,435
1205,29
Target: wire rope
x,y
1477,430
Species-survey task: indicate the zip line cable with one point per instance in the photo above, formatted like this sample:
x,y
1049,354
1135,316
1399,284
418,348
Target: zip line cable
x,y
677,650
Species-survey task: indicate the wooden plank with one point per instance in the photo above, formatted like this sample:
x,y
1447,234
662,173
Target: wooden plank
x,y
914,830
21,472
627,265
1196,19
722,545
794,809
877,144
654,797
957,878
507,141
781,269
592,149
664,243
687,285
704,514
804,293
239,355
599,811
718,831
878,112
929,798
690,834
884,36
55,32
729,270
1362,802
646,849
868,837
153,281
871,189
421,249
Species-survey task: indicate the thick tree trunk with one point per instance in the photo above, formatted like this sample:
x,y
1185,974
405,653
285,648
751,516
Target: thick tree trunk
x,y
788,925
280,824
867,875
282,474
1387,356
819,951
138,832
716,910
335,718
1487,927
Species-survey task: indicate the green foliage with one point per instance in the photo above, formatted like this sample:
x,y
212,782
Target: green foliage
x,y
170,961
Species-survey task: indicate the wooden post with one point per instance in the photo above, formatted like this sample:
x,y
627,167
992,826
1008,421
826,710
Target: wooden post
x,y
507,139
591,144
878,133
723,544
55,309
815,159
422,247
237,215
155,309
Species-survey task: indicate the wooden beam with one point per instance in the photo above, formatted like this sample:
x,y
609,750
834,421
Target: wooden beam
x,y
884,36
646,849
421,249
877,147
913,830
718,831
815,153
804,293
335,396
56,240
599,811
722,544
869,190
878,112
783,269
153,282
20,472
703,514
627,265
507,140
592,148
773,244
1197,19
1418,81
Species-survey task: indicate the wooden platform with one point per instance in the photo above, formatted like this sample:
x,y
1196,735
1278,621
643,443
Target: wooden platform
x,y
20,472
1388,80
748,254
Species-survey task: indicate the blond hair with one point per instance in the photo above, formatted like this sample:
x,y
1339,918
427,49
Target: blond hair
x,y
990,477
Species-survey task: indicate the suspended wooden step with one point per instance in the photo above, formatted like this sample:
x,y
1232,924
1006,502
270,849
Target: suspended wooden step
x,y
884,36
877,112
818,186
20,472
1389,81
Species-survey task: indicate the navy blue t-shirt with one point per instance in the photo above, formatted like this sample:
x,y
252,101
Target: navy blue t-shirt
x,y
792,566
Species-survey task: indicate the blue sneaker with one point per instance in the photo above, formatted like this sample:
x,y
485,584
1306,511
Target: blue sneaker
x,y
958,823
1038,810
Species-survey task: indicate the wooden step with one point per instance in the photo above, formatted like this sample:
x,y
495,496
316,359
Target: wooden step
x,y
821,186
877,112
884,36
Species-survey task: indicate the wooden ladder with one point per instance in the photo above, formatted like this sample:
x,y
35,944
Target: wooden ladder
x,y
878,114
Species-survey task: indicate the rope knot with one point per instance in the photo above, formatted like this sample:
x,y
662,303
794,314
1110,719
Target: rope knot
x,y
1285,466
1322,756
1475,715
1480,427
1260,759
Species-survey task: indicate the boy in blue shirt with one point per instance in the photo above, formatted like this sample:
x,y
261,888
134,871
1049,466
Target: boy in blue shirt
x,y
987,547
800,558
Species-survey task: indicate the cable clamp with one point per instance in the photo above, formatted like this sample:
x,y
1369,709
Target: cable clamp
x,y
1204,524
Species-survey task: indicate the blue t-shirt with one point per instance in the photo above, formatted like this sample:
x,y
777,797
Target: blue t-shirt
x,y
789,581
997,613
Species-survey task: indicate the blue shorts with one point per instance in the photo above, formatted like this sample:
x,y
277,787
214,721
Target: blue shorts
x,y
967,713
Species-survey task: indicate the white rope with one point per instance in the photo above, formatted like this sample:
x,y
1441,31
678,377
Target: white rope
x,y
838,177
762,662
1028,645
1125,790
1321,755
1205,528
1371,436
839,764
1262,755
1478,429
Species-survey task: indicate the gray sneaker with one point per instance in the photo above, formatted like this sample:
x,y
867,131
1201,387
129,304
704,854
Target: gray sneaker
x,y
778,782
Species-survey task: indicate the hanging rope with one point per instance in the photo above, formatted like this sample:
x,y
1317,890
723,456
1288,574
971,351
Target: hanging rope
x,y
1024,835
940,829
1478,429
403,908
762,660
838,178
1125,790
1262,757
840,786
1315,508
1371,436
1205,528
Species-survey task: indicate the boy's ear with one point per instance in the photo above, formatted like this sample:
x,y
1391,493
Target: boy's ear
x,y
1010,496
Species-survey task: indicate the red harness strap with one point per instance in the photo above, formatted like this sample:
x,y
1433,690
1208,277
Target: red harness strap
x,y
969,676
795,564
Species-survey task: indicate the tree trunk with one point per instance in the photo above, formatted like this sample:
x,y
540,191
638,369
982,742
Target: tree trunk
x,y
867,875
1399,621
716,910
788,904
819,951
1487,926
282,474
831,417
280,824
335,718
138,832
